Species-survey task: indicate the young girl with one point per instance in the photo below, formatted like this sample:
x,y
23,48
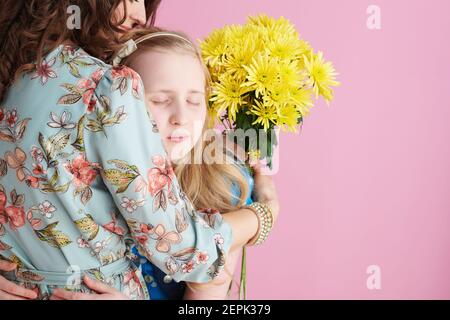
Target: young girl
x,y
177,88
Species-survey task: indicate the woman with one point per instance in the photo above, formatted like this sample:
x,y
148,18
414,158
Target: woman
x,y
177,86
71,136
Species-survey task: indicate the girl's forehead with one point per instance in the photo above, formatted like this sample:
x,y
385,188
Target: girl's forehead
x,y
146,55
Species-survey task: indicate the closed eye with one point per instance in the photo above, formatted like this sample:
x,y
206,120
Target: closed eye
x,y
160,102
194,103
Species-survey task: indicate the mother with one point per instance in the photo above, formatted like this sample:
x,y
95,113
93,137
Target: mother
x,y
73,158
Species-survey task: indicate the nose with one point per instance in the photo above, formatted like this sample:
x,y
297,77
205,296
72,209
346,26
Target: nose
x,y
138,18
178,115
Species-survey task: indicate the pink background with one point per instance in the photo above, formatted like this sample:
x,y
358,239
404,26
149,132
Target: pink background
x,y
367,181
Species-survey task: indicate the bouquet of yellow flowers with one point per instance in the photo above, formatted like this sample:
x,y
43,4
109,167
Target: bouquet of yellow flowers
x,y
264,76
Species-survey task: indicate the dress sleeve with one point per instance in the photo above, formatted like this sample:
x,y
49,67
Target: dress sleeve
x,y
216,289
119,137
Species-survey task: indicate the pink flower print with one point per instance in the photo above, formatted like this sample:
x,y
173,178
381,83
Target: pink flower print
x,y
11,118
32,182
82,243
13,215
218,238
160,176
44,71
142,239
131,205
37,154
83,171
38,169
188,267
47,209
88,87
125,72
202,257
98,75
91,105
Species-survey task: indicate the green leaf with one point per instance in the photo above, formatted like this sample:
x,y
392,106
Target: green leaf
x,y
71,88
46,148
55,189
106,103
94,126
120,164
59,141
123,187
69,98
119,178
74,70
79,142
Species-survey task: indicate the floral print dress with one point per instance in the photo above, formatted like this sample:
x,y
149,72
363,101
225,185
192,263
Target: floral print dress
x,y
84,178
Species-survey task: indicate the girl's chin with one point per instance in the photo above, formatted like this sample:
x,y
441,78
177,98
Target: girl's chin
x,y
177,153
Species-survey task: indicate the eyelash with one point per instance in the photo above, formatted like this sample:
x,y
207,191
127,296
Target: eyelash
x,y
167,102
194,103
161,102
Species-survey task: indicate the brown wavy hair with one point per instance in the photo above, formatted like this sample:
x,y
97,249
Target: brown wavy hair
x,y
29,29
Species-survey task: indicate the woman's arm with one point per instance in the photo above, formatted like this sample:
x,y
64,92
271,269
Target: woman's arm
x,y
134,166
217,288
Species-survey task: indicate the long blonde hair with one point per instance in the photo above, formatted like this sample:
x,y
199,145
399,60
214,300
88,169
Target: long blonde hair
x,y
207,184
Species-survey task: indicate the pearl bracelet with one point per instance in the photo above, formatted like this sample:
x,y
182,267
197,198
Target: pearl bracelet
x,y
265,222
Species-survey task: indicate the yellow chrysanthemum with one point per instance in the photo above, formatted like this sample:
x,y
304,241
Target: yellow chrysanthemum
x,y
266,114
285,47
302,99
238,57
273,27
288,116
229,94
262,73
277,94
290,73
234,33
322,75
214,47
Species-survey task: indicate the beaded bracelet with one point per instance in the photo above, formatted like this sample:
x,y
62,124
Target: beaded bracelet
x,y
265,222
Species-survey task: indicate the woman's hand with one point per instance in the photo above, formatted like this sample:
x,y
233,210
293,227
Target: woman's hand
x,y
11,291
265,190
103,292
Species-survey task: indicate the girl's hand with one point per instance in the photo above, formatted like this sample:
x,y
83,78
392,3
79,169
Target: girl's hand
x,y
11,291
265,190
103,292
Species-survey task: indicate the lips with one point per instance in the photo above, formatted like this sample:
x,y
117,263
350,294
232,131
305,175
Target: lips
x,y
177,139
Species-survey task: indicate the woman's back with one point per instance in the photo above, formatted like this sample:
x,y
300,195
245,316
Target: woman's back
x,y
48,183
56,212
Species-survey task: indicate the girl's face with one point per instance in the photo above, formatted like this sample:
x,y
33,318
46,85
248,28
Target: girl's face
x,y
136,14
175,95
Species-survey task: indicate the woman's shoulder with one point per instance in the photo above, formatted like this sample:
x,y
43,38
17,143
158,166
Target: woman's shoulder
x,y
72,62
81,77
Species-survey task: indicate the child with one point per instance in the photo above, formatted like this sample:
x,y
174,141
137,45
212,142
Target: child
x,y
177,90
